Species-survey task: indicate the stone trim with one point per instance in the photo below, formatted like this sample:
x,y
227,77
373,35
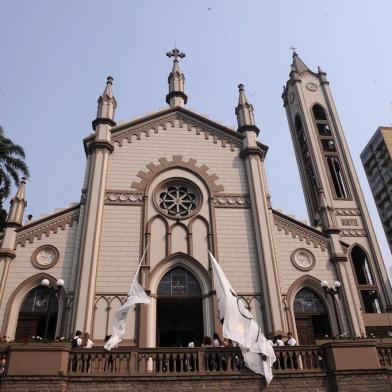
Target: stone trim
x,y
176,94
107,121
231,200
118,197
249,128
185,119
98,144
8,253
47,225
35,261
178,161
300,230
348,211
353,233
254,151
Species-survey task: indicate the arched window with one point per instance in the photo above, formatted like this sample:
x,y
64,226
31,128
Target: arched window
x,y
365,281
179,283
306,301
319,112
361,266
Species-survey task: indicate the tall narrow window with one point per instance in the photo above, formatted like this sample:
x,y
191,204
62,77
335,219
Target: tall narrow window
x,y
365,281
337,177
330,151
308,169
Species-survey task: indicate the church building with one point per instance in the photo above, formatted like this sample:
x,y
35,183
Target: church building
x,y
179,185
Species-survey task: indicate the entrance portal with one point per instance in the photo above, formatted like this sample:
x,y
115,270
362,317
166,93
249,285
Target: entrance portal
x,y
311,317
179,310
38,315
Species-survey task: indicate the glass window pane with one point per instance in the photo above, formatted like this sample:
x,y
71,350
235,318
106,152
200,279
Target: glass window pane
x,y
179,283
306,301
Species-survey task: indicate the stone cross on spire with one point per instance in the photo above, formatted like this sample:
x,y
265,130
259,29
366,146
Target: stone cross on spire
x,y
175,53
176,80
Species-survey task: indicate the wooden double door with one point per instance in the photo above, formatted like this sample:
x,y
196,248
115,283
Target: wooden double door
x,y
311,327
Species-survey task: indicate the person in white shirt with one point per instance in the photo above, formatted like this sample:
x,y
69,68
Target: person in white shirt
x,y
290,339
278,341
86,341
77,339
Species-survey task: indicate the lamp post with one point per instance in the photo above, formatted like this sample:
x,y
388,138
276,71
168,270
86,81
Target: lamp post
x,y
51,290
332,291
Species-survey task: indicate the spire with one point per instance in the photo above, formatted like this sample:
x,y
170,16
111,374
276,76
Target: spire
x,y
176,80
18,205
106,105
298,65
244,112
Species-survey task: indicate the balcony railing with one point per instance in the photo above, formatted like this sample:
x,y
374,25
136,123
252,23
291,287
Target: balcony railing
x,y
169,361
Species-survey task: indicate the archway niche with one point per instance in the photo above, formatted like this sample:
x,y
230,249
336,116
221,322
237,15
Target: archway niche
x,y
38,315
311,316
179,309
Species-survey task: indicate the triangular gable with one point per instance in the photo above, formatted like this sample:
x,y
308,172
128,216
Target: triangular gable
x,y
175,116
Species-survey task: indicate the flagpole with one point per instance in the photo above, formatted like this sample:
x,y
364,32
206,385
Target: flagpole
x,y
139,265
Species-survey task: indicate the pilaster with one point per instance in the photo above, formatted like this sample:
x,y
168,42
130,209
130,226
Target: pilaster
x,y
100,150
273,312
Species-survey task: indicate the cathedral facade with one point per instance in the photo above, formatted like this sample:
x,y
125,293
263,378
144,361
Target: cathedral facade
x,y
178,185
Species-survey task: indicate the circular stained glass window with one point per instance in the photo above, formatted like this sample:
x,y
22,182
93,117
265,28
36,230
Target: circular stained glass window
x,y
178,199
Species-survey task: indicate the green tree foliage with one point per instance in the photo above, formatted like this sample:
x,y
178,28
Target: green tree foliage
x,y
12,167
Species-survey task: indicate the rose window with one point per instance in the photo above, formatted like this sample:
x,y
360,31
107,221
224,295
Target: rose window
x,y
177,199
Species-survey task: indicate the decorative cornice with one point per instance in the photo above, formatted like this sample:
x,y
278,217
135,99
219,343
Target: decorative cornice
x,y
98,144
348,211
246,128
107,121
178,161
339,258
253,151
353,233
300,230
47,225
230,200
123,198
8,253
186,119
176,94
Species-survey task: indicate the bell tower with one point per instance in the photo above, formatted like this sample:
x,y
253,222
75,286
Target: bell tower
x,y
332,191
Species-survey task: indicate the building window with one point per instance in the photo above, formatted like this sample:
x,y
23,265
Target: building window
x,y
306,301
308,169
361,266
328,146
337,177
179,283
365,281
177,198
319,113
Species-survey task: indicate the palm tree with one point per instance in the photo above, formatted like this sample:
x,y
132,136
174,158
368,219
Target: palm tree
x,y
12,165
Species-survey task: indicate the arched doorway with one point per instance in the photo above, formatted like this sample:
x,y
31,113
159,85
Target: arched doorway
x,y
179,309
311,317
38,314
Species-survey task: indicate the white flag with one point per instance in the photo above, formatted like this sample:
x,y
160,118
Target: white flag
x,y
240,327
136,295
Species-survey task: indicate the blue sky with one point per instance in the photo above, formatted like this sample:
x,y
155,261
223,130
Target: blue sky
x,y
55,56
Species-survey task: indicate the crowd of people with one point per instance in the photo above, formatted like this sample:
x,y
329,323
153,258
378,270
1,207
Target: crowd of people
x,y
278,340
